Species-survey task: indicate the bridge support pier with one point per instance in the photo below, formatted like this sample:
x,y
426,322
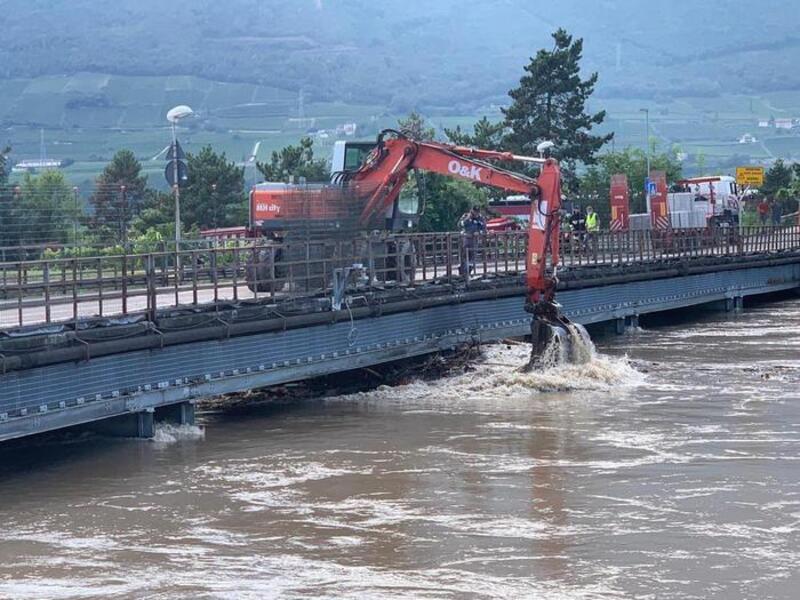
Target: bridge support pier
x,y
619,326
623,323
179,414
133,425
730,305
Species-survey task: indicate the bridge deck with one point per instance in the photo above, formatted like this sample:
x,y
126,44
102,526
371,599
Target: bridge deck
x,y
104,368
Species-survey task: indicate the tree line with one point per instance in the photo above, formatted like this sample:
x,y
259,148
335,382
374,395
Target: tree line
x,y
550,104
122,207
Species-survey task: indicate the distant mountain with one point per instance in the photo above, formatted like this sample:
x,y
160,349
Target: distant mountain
x,y
402,54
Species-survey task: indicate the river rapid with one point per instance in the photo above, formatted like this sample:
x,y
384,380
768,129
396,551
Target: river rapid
x,y
665,467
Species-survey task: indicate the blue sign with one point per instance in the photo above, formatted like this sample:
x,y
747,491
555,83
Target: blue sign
x,y
649,187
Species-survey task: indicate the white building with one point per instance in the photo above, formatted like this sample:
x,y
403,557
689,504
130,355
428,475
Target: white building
x,y
26,166
348,129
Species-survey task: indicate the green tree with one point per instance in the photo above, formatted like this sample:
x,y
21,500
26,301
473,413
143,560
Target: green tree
x,y
295,162
446,200
41,210
4,165
214,195
550,105
120,191
415,127
778,177
485,135
156,219
782,184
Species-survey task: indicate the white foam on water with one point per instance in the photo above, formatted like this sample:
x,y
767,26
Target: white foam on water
x,y
567,367
167,433
499,374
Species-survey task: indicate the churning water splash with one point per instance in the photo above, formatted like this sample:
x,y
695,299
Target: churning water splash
x,y
570,345
167,433
498,374
570,362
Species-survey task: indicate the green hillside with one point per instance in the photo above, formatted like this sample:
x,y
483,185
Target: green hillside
x,y
261,73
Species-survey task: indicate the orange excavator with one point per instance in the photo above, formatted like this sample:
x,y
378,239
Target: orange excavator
x,y
382,175
377,183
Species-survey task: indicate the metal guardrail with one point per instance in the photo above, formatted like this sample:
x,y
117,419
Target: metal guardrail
x,y
52,250
64,290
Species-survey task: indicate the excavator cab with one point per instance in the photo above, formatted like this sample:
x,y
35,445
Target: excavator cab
x,y
403,215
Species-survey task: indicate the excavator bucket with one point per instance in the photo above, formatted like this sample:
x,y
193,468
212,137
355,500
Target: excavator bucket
x,y
555,339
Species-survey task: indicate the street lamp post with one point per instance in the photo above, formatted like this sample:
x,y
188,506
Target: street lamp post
x,y
173,116
646,112
176,187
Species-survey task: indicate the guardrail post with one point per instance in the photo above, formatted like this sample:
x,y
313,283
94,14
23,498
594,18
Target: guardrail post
x,y
46,282
150,278
75,291
449,263
214,274
124,284
235,282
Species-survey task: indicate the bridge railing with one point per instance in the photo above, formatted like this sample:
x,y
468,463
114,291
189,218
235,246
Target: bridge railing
x,y
63,290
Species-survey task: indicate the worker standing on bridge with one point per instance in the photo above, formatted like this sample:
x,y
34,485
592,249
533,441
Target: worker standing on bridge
x,y
577,222
472,225
763,211
777,213
592,227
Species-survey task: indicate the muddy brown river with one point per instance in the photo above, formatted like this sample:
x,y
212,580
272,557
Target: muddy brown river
x,y
672,473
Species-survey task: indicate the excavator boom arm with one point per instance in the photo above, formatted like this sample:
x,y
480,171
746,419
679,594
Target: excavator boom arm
x,y
383,175
386,170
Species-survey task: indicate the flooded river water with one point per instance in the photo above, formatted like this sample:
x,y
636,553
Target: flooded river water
x,y
673,473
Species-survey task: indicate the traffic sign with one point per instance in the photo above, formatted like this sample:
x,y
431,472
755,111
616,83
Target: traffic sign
x,y
183,173
173,149
752,176
650,187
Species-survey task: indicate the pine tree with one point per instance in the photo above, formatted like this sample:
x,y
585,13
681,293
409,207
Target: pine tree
x,y
4,165
294,162
485,135
119,193
550,105
777,177
214,195
414,127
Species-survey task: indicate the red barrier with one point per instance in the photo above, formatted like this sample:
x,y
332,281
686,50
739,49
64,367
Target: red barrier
x,y
620,203
659,209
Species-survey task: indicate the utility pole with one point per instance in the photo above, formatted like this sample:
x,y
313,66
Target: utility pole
x,y
215,201
75,216
646,112
176,186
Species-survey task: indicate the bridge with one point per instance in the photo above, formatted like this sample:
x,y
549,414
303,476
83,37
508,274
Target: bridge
x,y
118,342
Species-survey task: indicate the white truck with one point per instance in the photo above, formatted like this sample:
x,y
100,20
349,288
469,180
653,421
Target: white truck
x,y
703,202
